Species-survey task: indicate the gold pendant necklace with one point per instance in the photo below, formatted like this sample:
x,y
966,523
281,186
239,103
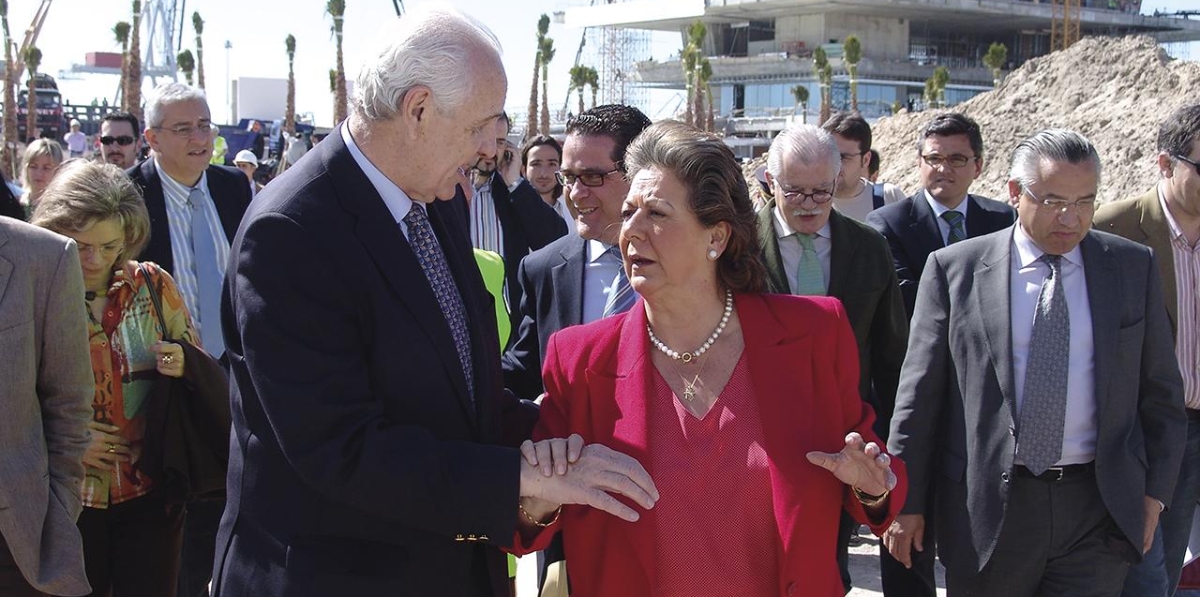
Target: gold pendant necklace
x,y
689,387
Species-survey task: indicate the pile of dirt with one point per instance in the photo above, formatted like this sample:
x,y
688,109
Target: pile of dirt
x,y
1115,91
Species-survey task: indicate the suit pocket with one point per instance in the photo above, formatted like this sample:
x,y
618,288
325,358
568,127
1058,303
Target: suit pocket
x,y
1130,336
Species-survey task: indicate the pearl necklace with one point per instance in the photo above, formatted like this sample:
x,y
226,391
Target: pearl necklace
x,y
688,357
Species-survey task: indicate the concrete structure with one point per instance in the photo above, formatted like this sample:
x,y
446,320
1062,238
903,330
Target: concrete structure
x,y
760,49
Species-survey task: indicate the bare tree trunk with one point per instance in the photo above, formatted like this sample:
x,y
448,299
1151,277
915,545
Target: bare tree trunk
x,y
133,86
531,117
339,113
31,109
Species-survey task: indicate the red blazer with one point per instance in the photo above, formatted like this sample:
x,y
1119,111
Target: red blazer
x,y
804,366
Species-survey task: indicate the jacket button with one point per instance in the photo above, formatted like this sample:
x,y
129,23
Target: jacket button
x,y
1004,476
483,538
458,538
791,588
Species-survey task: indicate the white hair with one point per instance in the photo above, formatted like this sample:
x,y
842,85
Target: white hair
x,y
166,94
1053,145
436,46
809,144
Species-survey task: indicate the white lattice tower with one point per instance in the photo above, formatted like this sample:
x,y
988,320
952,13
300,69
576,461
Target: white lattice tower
x,y
158,35
615,52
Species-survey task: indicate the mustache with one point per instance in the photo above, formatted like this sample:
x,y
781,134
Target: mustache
x,y
800,211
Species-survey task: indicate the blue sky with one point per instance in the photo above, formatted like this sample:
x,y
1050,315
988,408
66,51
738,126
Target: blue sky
x,y
256,30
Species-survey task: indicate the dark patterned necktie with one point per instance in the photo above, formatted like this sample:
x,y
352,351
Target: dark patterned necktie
x,y
957,230
1044,407
429,253
621,295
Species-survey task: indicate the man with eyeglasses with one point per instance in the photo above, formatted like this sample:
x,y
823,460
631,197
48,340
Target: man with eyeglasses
x,y
1040,401
856,196
578,278
950,158
507,216
1167,219
195,209
810,248
120,139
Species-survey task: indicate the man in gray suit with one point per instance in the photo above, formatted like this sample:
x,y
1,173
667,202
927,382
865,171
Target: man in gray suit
x,y
45,394
810,248
1040,399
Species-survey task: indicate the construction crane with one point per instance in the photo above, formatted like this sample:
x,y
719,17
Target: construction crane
x,y
1064,24
399,4
31,36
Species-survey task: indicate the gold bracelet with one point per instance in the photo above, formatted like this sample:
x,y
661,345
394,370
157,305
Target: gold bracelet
x,y
534,521
868,500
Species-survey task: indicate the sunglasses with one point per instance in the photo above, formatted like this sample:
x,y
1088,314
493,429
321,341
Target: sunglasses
x,y
122,140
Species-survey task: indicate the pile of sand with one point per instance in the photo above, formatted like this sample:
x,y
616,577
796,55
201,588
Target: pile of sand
x,y
1115,91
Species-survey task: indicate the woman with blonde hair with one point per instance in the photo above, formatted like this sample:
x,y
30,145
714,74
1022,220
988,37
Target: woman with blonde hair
x,y
41,159
131,533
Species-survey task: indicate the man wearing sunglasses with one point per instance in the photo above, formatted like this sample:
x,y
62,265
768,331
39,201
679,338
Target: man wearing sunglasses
x,y
120,139
1167,219
950,158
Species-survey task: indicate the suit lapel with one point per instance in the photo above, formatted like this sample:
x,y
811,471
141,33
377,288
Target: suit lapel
x,y
6,267
230,200
567,278
156,207
1105,299
841,255
993,292
383,240
776,276
1157,235
924,227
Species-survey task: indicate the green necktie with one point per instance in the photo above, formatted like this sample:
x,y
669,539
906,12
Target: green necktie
x,y
957,232
809,279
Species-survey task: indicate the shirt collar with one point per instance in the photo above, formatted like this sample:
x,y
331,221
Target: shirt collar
x,y
784,230
939,209
396,200
201,184
597,250
1176,231
1028,252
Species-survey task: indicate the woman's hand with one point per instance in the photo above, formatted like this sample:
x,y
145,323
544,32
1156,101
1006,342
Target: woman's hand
x,y
553,455
169,361
860,465
106,449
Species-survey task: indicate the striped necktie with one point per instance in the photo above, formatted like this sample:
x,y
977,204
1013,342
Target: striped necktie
x,y
208,276
957,230
1044,405
810,280
620,294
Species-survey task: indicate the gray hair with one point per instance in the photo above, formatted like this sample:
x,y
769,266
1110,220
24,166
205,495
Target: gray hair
x,y
434,46
1050,145
809,144
167,94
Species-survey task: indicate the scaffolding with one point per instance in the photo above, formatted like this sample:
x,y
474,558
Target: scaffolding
x,y
1064,24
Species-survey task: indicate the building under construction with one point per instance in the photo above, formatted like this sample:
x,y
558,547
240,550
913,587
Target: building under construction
x,y
760,49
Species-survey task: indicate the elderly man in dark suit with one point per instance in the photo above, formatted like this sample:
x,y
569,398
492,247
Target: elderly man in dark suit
x,y
1040,401
374,448
950,158
195,209
810,248
1167,219
46,390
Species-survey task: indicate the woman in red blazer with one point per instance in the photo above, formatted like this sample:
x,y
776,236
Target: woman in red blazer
x,y
743,407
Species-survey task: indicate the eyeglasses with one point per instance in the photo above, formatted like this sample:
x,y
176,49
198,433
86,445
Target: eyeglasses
x,y
107,251
188,131
1062,205
123,140
955,161
588,179
795,196
1194,164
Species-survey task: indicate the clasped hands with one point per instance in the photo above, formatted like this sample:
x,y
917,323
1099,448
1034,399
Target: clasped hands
x,y
565,471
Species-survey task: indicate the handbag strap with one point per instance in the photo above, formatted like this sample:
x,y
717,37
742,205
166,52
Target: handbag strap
x,y
154,300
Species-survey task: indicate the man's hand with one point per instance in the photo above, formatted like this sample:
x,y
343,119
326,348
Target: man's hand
x,y
859,464
1153,510
508,163
907,532
590,480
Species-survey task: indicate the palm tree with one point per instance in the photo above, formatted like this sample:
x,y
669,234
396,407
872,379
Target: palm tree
x,y
333,78
824,74
578,74
703,79
693,52
33,59
289,116
593,80
800,93
995,59
930,93
337,9
198,25
688,58
187,64
121,31
531,124
851,55
7,153
941,77
133,85
547,53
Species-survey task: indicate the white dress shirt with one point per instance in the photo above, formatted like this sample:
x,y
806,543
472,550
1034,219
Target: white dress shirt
x,y
943,225
1027,275
1187,307
396,200
790,250
602,268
